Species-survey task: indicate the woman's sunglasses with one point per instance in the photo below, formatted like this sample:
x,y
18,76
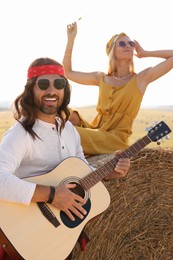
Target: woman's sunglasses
x,y
123,44
44,84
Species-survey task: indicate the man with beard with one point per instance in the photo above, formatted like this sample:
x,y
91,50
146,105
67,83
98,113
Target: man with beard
x,y
41,138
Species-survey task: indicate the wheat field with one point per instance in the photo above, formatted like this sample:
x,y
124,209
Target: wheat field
x,y
145,119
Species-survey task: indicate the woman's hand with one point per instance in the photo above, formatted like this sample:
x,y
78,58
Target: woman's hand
x,y
121,169
140,52
72,30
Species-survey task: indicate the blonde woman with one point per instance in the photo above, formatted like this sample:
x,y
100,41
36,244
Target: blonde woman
x,y
121,91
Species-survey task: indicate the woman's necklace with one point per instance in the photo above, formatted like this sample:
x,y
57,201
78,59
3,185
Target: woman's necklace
x,y
122,77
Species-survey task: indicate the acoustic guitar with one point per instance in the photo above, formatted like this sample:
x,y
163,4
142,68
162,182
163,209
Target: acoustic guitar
x,y
40,231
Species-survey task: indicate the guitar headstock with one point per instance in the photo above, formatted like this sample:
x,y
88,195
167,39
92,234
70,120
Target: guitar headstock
x,y
158,131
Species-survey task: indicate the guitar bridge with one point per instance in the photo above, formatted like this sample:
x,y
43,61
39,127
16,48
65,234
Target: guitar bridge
x,y
48,214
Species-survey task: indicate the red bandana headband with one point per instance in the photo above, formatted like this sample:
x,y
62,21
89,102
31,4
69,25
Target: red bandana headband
x,y
44,70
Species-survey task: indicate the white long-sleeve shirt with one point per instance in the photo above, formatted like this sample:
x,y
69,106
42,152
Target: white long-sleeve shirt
x,y
21,157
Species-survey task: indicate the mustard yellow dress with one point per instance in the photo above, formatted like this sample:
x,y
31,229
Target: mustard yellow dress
x,y
112,126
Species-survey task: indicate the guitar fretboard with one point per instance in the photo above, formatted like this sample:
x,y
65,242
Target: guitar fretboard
x,y
94,177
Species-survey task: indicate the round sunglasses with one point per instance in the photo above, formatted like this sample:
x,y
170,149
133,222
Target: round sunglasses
x,y
44,84
123,44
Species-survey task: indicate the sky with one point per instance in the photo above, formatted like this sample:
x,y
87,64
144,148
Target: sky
x,y
31,29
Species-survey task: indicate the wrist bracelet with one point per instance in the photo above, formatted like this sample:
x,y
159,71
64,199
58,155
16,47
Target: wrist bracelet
x,y
52,194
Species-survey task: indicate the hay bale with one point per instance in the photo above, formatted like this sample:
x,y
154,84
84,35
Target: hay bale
x,y
139,221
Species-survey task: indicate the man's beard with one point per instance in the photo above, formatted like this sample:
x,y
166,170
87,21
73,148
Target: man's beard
x,y
48,110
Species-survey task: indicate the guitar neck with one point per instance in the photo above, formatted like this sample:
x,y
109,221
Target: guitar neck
x,y
94,177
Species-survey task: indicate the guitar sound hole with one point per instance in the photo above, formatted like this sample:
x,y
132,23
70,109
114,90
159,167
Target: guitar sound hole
x,y
87,206
72,224
78,190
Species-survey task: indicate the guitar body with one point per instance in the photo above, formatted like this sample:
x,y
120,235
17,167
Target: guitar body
x,y
29,231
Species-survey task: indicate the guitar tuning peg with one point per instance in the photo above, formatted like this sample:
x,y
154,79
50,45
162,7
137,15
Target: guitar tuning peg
x,y
163,139
154,124
148,128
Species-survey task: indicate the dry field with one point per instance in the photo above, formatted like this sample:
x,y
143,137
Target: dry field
x,y
6,120
145,119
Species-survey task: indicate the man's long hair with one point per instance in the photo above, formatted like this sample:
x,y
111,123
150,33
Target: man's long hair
x,y
24,104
